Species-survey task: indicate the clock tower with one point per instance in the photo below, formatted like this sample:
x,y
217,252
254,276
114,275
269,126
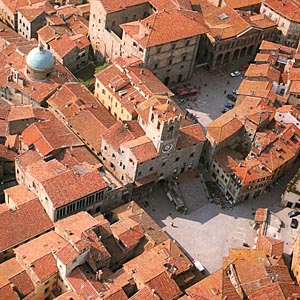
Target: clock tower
x,y
163,123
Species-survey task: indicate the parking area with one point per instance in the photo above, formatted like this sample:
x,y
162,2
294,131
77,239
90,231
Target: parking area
x,y
213,87
207,230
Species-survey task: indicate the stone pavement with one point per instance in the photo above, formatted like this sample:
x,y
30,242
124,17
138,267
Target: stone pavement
x,y
207,231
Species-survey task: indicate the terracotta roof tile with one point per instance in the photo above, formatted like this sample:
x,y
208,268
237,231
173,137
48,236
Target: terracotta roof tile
x,y
242,3
7,293
190,135
69,295
62,45
222,28
39,248
142,148
146,293
128,232
219,131
23,283
164,286
19,194
288,9
133,211
160,28
66,254
78,186
263,70
47,33
72,227
44,267
208,288
121,133
271,291
37,222
51,135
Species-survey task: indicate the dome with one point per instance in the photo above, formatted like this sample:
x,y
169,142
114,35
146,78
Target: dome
x,y
40,58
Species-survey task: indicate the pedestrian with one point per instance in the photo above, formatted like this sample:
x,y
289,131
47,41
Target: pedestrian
x,y
172,224
205,84
228,82
225,92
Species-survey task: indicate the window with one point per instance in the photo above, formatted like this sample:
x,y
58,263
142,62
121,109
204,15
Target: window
x,y
173,46
155,66
192,154
177,159
151,169
170,61
163,164
46,290
158,49
187,43
282,24
183,57
103,91
141,49
134,44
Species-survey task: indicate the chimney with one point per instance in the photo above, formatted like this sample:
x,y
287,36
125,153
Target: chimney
x,y
99,275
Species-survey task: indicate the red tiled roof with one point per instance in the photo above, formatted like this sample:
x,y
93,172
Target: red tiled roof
x,y
164,286
23,283
44,267
146,293
36,219
208,288
36,250
142,148
121,133
66,254
19,194
242,3
288,9
222,28
47,136
160,27
61,194
62,45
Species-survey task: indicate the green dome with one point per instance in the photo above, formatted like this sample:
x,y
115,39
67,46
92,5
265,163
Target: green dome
x,y
40,58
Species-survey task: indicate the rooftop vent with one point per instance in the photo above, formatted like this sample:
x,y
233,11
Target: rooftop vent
x,y
223,16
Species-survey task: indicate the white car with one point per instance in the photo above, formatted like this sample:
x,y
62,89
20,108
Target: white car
x,y
235,74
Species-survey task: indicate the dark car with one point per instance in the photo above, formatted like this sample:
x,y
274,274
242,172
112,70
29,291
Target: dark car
x,y
231,97
294,223
294,213
229,105
224,110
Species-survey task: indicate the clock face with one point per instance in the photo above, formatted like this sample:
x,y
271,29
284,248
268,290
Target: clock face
x,y
167,147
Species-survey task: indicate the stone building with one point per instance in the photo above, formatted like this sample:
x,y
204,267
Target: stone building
x,y
122,89
105,18
33,17
167,48
232,34
160,144
286,15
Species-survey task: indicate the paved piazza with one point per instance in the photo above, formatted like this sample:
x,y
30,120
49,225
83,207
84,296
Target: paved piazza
x,y
207,231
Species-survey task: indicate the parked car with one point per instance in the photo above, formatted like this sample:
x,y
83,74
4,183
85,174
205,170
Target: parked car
x,y
229,105
224,110
234,91
199,266
293,213
231,97
294,223
235,74
244,67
